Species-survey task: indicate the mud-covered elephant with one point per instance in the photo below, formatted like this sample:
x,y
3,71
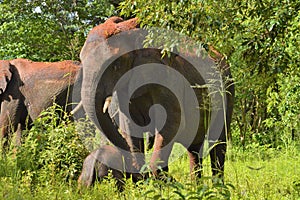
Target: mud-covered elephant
x,y
111,59
27,88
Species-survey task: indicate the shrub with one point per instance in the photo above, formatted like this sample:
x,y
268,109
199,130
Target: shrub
x,y
52,150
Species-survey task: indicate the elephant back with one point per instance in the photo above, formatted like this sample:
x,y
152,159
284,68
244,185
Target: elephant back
x,y
42,83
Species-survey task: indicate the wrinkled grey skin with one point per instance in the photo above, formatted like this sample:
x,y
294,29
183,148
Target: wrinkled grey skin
x,y
99,163
97,52
27,88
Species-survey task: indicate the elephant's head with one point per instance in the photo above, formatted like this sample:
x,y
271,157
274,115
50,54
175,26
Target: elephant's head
x,y
94,55
5,75
109,53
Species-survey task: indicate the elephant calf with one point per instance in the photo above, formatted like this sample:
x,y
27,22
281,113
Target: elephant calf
x,y
97,165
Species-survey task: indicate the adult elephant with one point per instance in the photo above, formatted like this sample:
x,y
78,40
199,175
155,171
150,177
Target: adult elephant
x,y
112,57
27,88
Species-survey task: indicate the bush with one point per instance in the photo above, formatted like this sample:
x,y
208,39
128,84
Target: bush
x,y
52,150
283,106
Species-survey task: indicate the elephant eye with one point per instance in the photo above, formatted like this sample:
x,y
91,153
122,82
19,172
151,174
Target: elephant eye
x,y
115,67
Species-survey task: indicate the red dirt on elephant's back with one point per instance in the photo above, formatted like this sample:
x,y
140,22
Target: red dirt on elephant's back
x,y
112,26
47,69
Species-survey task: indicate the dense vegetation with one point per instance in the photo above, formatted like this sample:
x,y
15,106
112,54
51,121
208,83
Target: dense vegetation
x,y
49,162
261,41
48,30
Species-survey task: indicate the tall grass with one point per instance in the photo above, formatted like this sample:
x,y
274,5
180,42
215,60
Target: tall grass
x,y
49,161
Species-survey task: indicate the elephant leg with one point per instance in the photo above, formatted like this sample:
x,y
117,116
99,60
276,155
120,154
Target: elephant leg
x,y
217,157
19,134
138,150
4,132
160,156
218,142
139,154
88,173
149,141
195,161
12,119
6,124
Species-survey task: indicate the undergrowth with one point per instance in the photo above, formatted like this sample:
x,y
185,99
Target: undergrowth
x,y
48,164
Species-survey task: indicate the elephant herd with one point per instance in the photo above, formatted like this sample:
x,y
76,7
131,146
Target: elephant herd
x,y
108,86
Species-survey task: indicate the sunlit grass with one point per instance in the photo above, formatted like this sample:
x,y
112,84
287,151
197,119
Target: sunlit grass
x,y
276,176
253,172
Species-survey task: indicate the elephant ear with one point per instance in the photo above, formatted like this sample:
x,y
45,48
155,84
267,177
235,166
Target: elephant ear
x,y
5,75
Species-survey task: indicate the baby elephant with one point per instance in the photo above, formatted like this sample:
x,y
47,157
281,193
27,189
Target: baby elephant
x,y
98,164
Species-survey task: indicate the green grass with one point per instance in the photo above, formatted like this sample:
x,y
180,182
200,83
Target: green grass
x,y
260,173
49,162
272,174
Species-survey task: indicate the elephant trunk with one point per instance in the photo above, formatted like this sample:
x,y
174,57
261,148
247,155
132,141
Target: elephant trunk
x,y
96,87
93,101
104,62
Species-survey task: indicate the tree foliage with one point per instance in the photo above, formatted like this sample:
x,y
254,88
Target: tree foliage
x,y
259,39
48,30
